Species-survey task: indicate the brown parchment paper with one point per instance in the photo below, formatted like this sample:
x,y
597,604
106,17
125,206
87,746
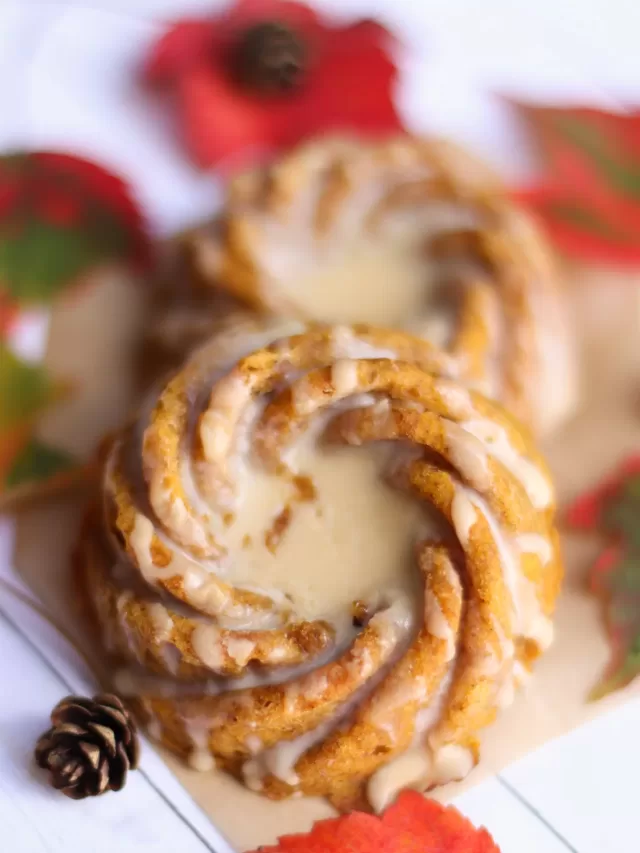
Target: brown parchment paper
x,y
93,342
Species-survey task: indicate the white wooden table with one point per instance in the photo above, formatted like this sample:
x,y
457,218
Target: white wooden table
x,y
67,80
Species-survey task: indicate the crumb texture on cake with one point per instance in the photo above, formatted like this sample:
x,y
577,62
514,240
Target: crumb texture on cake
x,y
407,232
321,562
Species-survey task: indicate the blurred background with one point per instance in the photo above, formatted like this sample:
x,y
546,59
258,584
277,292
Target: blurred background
x,y
68,78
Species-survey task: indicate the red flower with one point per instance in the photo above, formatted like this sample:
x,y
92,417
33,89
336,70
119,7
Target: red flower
x,y
412,824
347,85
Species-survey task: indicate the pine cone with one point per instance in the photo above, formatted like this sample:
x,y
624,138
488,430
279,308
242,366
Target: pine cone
x,y
90,747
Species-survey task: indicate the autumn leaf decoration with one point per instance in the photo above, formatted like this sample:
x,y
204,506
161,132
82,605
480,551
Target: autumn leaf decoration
x,y
259,76
61,218
589,197
613,509
412,824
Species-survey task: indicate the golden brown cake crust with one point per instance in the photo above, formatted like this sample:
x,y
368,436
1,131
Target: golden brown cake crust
x,y
226,674
509,330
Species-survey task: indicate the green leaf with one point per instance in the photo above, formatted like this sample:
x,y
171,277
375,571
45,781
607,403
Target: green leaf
x,y
39,262
60,218
38,462
25,390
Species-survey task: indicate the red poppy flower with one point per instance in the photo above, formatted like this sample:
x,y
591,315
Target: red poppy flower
x,y
345,82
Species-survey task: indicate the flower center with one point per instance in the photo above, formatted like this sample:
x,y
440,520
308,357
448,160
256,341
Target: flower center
x,y
270,57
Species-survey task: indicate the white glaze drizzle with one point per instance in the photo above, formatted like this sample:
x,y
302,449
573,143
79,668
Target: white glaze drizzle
x,y
393,626
456,398
197,732
213,649
530,621
131,639
153,724
467,454
201,589
497,444
161,621
438,624
205,640
410,769
469,445
535,543
344,376
463,514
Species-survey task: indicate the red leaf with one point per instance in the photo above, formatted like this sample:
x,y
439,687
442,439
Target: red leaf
x,y
590,198
60,216
603,566
9,194
355,833
412,824
348,86
8,313
103,188
585,513
58,209
435,826
582,229
613,508
589,146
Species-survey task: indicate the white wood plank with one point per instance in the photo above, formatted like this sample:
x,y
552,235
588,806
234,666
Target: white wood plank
x,y
514,827
586,783
60,660
33,816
